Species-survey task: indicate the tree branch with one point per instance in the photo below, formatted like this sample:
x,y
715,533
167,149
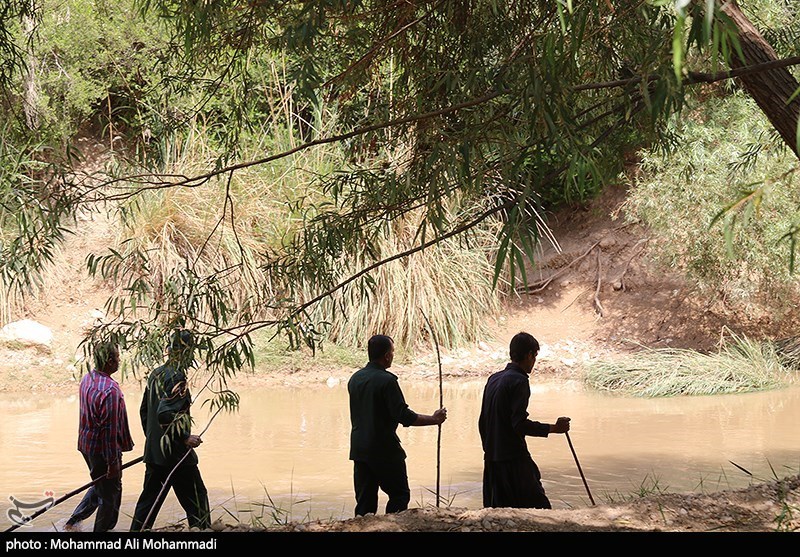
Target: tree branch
x,y
699,77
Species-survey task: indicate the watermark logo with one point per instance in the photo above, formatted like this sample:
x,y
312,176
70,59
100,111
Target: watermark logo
x,y
21,515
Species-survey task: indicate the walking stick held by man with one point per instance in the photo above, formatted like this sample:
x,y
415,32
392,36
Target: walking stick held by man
x,y
580,470
26,519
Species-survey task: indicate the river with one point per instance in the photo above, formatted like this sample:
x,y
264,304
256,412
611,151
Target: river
x,y
283,455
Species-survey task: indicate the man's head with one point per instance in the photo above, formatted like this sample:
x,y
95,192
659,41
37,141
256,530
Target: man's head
x,y
523,350
106,357
181,346
380,349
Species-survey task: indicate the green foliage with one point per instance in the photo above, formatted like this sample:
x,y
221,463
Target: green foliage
x,y
724,203
32,221
98,65
777,22
740,365
273,352
329,127
12,43
450,282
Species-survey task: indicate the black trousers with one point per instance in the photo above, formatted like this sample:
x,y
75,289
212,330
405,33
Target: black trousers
x,y
513,483
391,477
104,497
189,488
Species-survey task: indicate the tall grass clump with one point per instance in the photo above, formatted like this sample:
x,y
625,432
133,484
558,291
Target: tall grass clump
x,y
789,352
450,283
273,352
225,225
726,156
740,365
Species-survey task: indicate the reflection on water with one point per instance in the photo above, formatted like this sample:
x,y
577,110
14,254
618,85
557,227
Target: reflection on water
x,y
284,453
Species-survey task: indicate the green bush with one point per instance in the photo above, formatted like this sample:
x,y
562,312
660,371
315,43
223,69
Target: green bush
x,y
726,155
741,365
98,63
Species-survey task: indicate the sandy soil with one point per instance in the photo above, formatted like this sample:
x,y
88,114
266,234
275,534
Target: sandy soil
x,y
596,295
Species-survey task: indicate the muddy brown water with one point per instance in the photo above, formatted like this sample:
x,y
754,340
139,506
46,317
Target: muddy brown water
x,y
283,455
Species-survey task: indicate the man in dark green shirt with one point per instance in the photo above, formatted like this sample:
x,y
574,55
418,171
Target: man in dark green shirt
x,y
377,406
168,441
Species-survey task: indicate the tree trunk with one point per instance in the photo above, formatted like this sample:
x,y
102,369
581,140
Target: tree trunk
x,y
770,89
31,95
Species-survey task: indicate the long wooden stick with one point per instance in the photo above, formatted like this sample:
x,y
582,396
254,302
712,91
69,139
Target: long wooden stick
x,y
571,448
441,403
72,493
597,290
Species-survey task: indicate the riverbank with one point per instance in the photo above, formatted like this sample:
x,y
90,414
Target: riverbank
x,y
764,507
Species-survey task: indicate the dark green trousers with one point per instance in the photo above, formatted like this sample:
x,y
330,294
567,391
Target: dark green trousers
x,y
391,477
189,488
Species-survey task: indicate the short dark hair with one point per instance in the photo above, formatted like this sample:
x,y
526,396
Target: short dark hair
x,y
378,346
521,345
102,354
181,340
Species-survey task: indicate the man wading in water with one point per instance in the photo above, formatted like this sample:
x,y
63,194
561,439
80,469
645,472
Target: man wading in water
x,y
510,476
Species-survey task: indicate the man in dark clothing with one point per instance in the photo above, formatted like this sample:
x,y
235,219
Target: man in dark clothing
x,y
377,406
510,476
103,435
168,441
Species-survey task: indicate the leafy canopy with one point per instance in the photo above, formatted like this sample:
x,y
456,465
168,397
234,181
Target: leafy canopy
x,y
451,114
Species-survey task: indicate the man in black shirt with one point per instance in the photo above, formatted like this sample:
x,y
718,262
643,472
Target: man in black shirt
x,y
510,476
377,406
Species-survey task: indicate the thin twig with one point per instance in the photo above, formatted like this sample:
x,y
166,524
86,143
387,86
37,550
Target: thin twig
x,y
597,290
542,284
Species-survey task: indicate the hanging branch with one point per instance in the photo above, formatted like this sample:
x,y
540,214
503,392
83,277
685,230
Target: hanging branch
x,y
441,404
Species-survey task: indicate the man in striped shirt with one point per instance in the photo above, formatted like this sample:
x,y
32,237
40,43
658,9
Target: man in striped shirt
x,y
103,435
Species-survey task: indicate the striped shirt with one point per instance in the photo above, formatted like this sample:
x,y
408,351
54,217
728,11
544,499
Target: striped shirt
x,y
103,427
